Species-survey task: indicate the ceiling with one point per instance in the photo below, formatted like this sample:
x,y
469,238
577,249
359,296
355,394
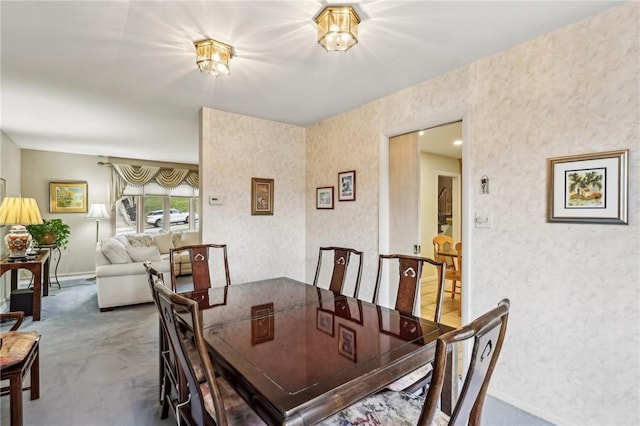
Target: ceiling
x,y
118,78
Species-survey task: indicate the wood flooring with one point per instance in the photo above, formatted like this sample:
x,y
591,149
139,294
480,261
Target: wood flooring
x,y
451,309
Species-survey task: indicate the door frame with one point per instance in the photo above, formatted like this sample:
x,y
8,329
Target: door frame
x,y
466,221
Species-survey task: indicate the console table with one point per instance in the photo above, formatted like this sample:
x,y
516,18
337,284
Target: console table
x,y
39,266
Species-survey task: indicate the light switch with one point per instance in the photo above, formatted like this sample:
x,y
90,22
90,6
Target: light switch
x,y
484,220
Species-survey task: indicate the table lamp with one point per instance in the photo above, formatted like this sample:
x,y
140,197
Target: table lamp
x,y
18,212
98,211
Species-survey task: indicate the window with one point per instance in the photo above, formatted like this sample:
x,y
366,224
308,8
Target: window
x,y
155,210
154,198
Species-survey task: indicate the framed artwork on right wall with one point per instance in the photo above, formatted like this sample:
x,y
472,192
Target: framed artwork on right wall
x,y
347,186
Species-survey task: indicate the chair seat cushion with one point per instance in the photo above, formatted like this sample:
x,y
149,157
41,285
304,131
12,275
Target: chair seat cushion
x,y
194,359
16,345
386,408
237,411
410,378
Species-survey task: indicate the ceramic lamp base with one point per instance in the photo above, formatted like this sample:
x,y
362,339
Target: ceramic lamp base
x,y
18,241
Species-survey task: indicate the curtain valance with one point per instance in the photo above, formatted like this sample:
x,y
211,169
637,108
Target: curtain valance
x,y
124,175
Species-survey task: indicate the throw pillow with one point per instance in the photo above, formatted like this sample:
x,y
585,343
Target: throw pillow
x,y
115,251
142,254
164,241
140,240
190,238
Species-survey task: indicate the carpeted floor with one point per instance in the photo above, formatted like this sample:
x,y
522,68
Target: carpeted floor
x,y
95,368
101,369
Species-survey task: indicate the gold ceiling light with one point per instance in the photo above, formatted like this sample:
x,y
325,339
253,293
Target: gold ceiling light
x,y
213,56
337,28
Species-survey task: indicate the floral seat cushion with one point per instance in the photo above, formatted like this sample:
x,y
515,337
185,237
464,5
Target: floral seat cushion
x,y
388,408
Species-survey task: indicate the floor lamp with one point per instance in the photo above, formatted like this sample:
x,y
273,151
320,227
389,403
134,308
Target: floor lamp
x,y
98,211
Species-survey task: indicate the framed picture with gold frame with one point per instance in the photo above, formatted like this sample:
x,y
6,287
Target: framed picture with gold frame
x,y
589,188
261,196
68,197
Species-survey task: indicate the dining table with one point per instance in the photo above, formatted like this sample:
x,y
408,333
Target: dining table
x,y
298,353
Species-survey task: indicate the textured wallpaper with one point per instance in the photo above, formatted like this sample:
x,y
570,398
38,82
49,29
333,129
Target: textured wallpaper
x,y
572,353
235,148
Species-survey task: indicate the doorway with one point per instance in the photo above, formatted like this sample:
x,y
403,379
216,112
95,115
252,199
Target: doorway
x,y
419,230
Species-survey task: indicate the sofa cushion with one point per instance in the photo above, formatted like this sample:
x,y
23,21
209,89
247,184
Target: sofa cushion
x,y
164,241
115,251
189,238
143,254
141,240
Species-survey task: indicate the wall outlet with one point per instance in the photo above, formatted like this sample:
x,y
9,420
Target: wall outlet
x,y
484,220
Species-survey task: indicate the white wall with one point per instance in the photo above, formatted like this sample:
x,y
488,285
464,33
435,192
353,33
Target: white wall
x,y
41,167
234,149
572,352
10,172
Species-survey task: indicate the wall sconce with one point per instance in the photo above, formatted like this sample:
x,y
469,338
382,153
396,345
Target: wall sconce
x,y
484,184
213,56
337,28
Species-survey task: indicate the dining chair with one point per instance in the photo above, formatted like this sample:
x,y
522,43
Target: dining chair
x,y
206,264
408,282
341,259
206,399
387,408
408,288
172,380
445,244
19,355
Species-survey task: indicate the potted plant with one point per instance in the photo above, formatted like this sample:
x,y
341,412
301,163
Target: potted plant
x,y
52,231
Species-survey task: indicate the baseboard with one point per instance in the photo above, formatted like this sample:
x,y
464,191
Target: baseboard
x,y
536,411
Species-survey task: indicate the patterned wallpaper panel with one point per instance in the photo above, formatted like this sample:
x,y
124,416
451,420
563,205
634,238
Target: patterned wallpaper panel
x,y
572,353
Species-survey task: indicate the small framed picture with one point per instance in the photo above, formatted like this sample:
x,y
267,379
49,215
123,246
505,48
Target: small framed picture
x,y
324,321
347,342
68,197
262,326
261,196
347,186
324,197
589,188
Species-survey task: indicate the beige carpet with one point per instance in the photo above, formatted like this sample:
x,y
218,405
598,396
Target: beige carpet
x,y
95,368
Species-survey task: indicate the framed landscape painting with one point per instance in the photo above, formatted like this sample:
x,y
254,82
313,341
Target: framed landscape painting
x,y
68,197
589,188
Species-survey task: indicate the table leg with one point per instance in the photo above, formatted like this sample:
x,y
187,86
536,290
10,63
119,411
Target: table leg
x,y
57,263
37,289
14,279
46,281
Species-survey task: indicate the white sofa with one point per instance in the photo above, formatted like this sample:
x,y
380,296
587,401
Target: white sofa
x,y
120,273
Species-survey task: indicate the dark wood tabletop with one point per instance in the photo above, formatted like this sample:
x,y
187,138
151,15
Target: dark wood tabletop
x,y
298,354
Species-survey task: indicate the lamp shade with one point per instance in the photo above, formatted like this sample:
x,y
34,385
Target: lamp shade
x,y
337,28
19,211
98,211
